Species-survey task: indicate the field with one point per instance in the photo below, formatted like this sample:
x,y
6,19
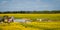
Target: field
x,y
35,16
32,25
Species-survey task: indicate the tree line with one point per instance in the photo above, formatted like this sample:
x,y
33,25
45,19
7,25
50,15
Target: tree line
x,y
31,12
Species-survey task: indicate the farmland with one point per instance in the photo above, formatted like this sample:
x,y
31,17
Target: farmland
x,y
35,16
32,25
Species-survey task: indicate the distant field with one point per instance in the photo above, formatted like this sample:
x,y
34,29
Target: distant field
x,y
35,16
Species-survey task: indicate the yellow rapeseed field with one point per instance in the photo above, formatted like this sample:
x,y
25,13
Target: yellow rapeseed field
x,y
34,16
32,25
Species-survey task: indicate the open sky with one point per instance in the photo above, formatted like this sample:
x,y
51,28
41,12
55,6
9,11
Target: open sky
x,y
29,5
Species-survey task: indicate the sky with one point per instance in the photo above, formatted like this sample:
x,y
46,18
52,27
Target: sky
x,y
29,5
